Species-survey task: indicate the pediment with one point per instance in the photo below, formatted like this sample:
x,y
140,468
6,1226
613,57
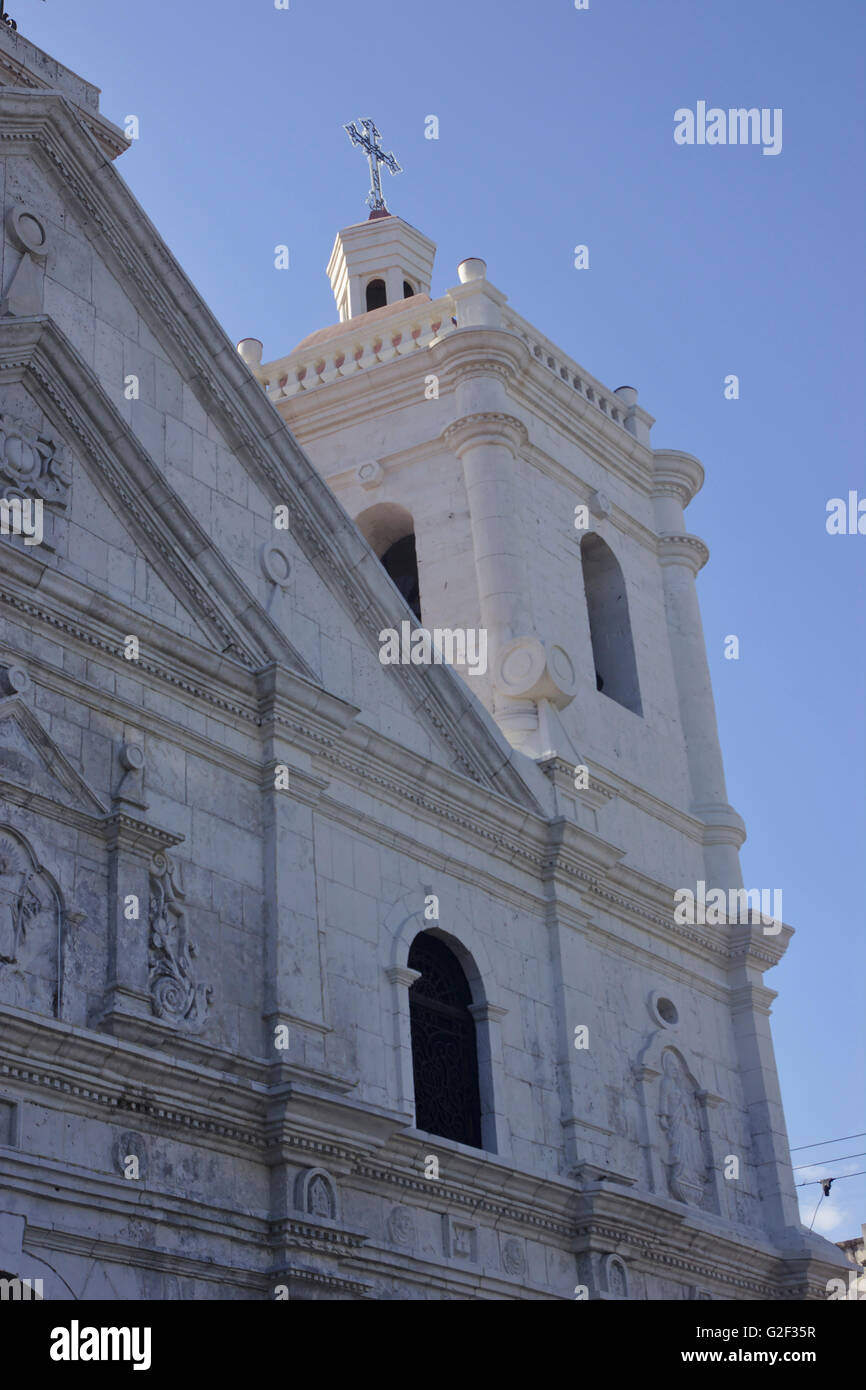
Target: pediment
x,y
180,550
31,761
108,475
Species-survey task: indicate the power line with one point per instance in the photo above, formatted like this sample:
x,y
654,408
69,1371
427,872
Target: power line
x,y
841,1159
822,1142
841,1176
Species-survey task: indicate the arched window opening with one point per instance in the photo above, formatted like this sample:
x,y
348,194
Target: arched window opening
x,y
401,562
390,530
444,1046
408,291
377,295
609,624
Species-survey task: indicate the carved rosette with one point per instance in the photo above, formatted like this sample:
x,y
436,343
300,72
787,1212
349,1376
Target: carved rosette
x,y
32,465
176,993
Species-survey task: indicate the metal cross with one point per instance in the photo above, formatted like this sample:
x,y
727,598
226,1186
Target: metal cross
x,y
369,139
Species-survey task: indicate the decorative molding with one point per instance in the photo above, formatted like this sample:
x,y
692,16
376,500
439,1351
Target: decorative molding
x,y
471,1197
369,474
485,427
157,1110
655,1255
686,550
32,464
176,995
459,1239
402,975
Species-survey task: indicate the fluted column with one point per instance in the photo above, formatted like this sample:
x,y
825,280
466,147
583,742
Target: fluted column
x,y
677,477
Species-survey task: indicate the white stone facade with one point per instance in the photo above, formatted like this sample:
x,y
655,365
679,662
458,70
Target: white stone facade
x,y
171,914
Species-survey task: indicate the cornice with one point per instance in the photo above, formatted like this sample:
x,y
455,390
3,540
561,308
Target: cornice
x,y
652,1256
93,634
166,1116
476,1198
136,1255
107,135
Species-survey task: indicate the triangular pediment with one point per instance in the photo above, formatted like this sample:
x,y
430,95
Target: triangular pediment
x,y
31,761
114,482
335,570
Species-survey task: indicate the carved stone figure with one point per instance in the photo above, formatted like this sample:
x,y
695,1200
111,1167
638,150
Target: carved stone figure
x,y
320,1198
680,1118
513,1258
176,994
616,1281
401,1227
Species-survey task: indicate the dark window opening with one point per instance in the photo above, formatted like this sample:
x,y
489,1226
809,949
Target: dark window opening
x,y
408,291
609,624
444,1048
401,562
377,295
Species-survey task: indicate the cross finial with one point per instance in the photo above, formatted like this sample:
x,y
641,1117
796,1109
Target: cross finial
x,y
368,138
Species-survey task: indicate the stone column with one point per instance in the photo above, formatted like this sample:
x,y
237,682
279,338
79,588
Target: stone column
x,y
750,1012
524,669
294,980
402,978
486,443
677,477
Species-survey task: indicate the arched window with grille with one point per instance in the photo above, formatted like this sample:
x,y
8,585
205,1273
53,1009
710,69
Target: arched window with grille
x,y
444,1045
609,624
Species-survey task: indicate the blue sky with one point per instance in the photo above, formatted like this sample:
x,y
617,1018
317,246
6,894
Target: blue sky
x,y
556,128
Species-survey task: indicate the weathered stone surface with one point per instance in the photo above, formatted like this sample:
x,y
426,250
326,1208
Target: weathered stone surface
x,y
164,916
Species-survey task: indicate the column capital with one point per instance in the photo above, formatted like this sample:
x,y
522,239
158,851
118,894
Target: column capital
x,y
686,550
488,1013
485,427
677,474
402,975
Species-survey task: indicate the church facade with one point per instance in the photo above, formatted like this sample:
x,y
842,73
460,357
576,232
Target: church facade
x,y
325,974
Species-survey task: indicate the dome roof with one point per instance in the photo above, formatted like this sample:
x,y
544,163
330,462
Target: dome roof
x,y
360,321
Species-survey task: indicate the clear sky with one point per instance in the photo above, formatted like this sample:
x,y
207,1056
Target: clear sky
x,y
556,128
